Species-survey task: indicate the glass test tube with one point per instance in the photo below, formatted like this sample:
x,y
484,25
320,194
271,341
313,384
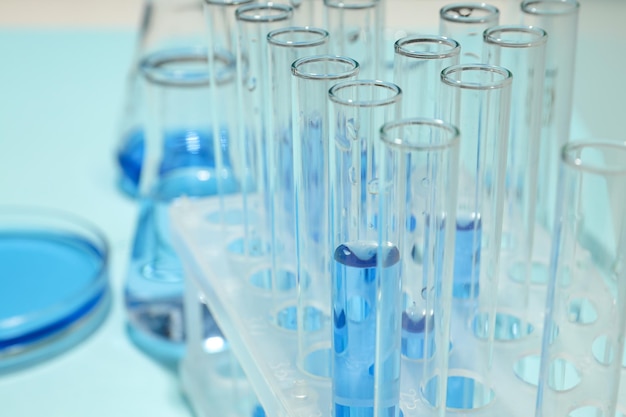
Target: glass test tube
x,y
365,275
419,170
311,78
285,46
418,62
176,86
521,49
222,40
165,25
355,32
582,362
559,18
465,23
254,22
476,98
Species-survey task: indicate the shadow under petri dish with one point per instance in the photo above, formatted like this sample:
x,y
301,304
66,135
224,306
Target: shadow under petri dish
x,y
53,284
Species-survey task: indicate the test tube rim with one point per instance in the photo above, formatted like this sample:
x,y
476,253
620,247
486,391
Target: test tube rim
x,y
227,2
400,49
504,82
541,36
285,12
341,5
331,58
324,36
527,7
396,93
494,13
569,158
398,143
151,63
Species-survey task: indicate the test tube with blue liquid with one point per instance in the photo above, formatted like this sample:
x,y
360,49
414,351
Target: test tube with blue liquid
x,y
419,170
476,98
312,76
366,272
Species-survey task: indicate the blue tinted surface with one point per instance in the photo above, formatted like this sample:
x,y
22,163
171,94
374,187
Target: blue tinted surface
x,y
56,274
467,257
354,330
182,149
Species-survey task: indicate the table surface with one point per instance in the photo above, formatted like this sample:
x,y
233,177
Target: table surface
x,y
62,85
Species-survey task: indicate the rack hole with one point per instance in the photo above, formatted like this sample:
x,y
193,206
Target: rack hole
x,y
527,369
463,393
507,327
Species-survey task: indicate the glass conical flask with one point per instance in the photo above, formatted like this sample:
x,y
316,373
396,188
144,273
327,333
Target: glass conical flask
x,y
177,159
165,24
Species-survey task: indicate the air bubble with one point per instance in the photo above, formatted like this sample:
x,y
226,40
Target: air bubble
x,y
352,175
372,186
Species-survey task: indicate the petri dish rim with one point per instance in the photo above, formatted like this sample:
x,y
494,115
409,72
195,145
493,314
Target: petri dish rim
x,y
31,331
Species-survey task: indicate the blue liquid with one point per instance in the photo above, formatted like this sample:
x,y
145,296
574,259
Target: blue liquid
x,y
48,281
182,149
354,330
467,257
417,334
154,284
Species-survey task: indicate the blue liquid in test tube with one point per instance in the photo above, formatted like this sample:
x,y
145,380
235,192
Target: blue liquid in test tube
x,y
467,256
354,330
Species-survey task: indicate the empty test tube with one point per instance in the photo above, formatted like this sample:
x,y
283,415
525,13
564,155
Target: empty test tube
x,y
476,98
285,46
254,22
419,170
465,23
312,76
559,18
418,62
581,370
355,31
366,273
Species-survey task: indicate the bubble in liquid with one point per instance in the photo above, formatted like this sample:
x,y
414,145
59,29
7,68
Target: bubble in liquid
x,y
372,186
352,175
352,130
251,83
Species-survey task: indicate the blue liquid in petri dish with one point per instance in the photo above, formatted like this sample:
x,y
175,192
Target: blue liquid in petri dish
x,y
467,257
182,149
354,331
49,282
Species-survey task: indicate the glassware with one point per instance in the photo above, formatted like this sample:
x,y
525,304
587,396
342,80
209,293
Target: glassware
x,y
222,69
254,22
54,285
176,87
476,98
312,76
356,32
521,49
285,46
465,23
559,18
583,341
165,24
417,193
418,62
365,272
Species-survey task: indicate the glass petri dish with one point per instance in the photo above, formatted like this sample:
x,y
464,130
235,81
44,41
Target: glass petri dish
x,y
54,286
